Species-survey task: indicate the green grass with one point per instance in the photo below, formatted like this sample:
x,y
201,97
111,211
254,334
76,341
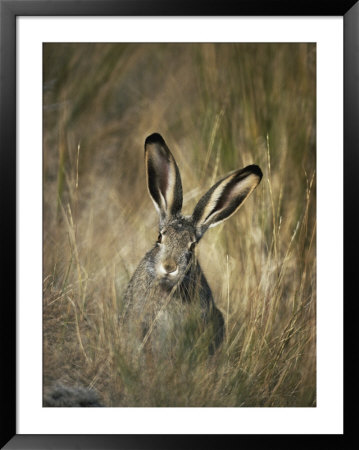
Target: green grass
x,y
219,107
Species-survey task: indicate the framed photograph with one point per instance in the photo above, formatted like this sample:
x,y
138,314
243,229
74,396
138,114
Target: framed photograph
x,y
174,184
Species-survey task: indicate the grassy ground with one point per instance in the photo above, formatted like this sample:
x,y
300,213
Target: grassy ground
x,y
219,107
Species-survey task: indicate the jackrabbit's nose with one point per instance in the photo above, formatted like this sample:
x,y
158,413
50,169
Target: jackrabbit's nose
x,y
170,267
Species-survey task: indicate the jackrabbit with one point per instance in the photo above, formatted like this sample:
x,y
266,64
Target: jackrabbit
x,y
168,295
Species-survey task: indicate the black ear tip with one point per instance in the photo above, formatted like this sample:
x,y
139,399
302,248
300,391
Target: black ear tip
x,y
256,170
154,138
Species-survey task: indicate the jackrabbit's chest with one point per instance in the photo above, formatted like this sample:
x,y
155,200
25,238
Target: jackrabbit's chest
x,y
169,310
174,325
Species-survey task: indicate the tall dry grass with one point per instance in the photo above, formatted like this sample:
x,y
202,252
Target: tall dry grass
x,y
219,107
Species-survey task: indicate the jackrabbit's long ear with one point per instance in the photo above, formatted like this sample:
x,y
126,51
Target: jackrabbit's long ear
x,y
163,177
225,197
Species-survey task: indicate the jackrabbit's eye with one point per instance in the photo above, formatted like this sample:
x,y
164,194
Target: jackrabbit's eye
x,y
192,246
159,239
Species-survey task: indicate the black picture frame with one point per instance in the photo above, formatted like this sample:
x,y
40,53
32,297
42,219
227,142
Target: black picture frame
x,y
9,10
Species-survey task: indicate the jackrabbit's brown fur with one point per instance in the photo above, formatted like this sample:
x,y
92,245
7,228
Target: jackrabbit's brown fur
x,y
168,294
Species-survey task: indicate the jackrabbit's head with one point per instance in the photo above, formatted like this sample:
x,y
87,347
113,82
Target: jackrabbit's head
x,y
178,234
